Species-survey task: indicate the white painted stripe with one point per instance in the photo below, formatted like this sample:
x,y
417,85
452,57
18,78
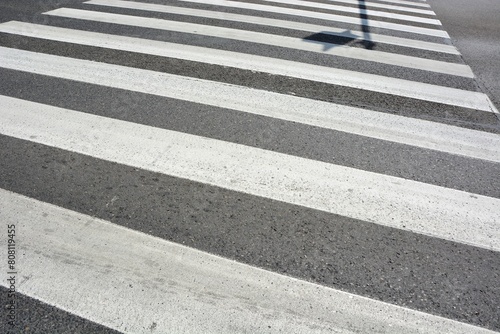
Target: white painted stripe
x,y
386,200
157,48
403,2
136,283
369,13
313,28
323,16
358,121
72,69
372,4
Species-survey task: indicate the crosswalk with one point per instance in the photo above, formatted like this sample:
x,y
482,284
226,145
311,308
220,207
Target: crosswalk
x,y
250,166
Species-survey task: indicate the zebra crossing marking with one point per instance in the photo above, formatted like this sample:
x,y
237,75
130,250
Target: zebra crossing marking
x,y
323,16
370,12
405,204
314,28
359,121
99,39
372,4
54,230
418,3
36,62
122,279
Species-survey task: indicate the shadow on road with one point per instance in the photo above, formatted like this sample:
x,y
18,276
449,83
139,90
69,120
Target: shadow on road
x,y
332,39
365,25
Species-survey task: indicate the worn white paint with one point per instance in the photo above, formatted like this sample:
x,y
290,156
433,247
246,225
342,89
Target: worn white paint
x,y
373,4
430,135
136,283
323,16
59,66
386,200
164,49
368,12
294,25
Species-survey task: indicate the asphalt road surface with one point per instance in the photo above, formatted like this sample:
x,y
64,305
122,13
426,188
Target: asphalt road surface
x,y
473,28
250,166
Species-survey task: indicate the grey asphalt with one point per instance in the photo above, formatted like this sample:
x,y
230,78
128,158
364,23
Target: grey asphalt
x,y
424,273
473,27
36,317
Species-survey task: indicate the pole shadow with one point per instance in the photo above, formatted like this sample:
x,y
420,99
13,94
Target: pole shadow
x,y
334,39
365,26
330,39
